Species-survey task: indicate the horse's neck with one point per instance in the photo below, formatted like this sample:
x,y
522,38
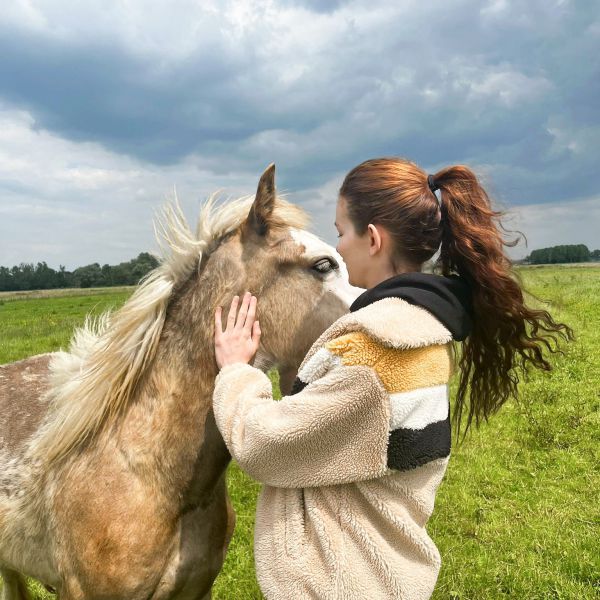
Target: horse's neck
x,y
171,425
170,434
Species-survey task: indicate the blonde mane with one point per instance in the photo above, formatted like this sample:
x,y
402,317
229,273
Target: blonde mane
x,y
96,379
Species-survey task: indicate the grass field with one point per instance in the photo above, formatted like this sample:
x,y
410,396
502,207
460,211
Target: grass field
x,y
517,515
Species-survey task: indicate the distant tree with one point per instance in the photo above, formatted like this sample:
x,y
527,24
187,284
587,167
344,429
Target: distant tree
x,y
560,254
6,279
107,274
63,277
43,277
595,255
120,274
88,276
28,276
24,276
143,264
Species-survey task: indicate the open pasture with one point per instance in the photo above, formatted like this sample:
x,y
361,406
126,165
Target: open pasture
x,y
517,515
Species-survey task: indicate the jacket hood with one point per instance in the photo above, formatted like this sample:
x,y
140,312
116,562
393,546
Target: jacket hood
x,y
446,298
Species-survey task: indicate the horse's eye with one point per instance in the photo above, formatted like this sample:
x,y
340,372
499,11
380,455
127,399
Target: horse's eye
x,y
325,265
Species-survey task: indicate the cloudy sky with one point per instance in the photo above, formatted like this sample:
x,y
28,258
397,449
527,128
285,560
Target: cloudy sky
x,y
107,106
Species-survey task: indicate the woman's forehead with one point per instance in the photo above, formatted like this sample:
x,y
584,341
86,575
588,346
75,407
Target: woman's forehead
x,y
340,210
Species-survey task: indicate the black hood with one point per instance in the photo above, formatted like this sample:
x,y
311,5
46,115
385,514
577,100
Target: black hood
x,y
446,298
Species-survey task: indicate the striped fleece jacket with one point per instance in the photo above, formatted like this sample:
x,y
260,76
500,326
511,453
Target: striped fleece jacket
x,y
351,462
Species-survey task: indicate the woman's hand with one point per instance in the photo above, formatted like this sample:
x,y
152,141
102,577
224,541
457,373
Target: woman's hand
x,y
239,341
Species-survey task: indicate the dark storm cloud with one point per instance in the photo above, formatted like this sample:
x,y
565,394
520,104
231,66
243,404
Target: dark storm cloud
x,y
514,90
105,93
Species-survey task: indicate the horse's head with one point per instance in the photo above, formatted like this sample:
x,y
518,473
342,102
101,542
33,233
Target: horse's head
x,y
300,281
165,330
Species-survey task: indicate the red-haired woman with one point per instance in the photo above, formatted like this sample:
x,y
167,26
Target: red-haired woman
x,y
352,460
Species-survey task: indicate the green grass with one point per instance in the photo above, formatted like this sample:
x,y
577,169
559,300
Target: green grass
x,y
32,323
517,515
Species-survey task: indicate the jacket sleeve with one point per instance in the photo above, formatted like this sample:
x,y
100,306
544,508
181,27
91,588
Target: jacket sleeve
x,y
334,431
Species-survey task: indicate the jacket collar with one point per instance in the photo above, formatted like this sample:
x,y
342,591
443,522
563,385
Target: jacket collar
x,y
446,298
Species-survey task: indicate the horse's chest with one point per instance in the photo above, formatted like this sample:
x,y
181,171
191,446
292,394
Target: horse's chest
x,y
125,542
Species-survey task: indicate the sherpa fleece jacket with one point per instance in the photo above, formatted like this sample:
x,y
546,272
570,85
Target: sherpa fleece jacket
x,y
351,463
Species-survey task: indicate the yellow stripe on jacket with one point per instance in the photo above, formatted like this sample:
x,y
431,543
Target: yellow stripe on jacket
x,y
400,370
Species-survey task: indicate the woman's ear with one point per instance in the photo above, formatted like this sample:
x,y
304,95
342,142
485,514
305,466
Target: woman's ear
x,y
375,239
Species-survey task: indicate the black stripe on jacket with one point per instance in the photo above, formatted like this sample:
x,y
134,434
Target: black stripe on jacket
x,y
411,448
298,386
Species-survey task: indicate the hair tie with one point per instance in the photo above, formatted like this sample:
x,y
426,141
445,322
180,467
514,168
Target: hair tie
x,y
432,184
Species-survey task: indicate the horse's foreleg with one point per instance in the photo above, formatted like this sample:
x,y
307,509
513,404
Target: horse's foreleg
x,y
14,587
230,524
287,375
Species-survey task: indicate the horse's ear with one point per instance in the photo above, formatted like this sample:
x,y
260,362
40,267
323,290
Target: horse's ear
x,y
264,202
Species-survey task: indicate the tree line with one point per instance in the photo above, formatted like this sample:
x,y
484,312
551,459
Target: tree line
x,y
572,253
40,276
29,276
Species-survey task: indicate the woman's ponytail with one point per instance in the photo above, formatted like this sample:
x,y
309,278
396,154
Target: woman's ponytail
x,y
508,337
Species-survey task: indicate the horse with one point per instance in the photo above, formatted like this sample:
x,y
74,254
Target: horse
x,y
112,470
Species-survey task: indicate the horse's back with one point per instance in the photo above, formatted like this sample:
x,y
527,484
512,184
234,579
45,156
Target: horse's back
x,y
23,404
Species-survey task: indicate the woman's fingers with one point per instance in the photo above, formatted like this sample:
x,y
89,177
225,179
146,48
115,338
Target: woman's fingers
x,y
240,340
256,334
232,312
250,316
241,318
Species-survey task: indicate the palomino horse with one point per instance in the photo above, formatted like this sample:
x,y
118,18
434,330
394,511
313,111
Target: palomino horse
x,y
112,471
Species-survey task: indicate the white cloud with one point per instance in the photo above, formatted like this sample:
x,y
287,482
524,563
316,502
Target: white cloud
x,y
23,14
75,203
553,224
320,204
494,8
166,30
503,85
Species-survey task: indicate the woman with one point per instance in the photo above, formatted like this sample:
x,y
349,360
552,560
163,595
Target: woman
x,y
352,461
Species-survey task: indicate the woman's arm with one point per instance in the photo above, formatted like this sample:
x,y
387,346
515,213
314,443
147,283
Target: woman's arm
x,y
334,431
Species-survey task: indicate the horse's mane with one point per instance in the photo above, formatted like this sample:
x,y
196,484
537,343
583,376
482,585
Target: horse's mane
x,y
95,380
